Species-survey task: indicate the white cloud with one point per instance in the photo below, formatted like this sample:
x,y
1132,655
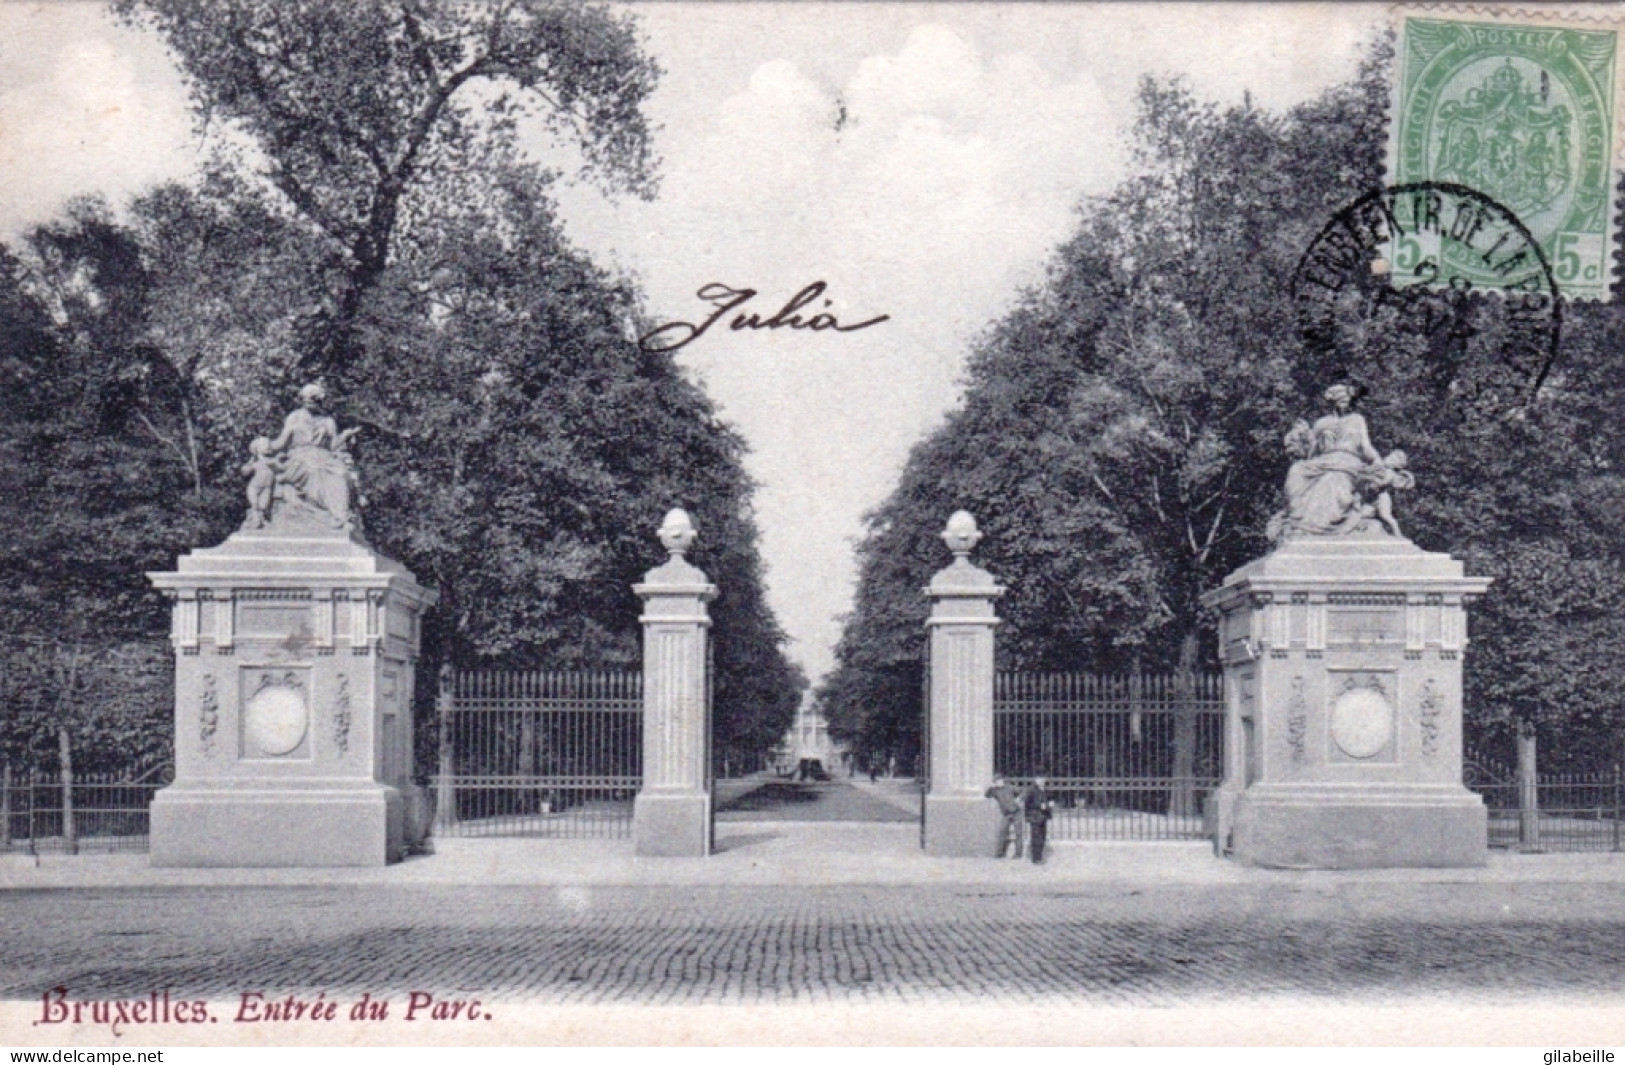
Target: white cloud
x,y
95,109
940,191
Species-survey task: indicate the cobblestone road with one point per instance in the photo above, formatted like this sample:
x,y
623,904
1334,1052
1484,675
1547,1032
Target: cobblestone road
x,y
1382,943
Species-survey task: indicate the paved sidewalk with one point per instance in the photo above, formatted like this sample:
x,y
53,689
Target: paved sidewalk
x,y
786,853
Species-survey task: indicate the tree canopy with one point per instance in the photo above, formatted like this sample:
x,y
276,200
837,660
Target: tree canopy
x,y
370,117
373,217
92,493
1120,436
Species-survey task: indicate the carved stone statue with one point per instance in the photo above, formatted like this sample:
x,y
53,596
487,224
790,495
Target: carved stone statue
x,y
1338,483
303,479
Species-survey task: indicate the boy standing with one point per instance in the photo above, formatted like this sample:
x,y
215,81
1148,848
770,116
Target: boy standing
x,y
1038,806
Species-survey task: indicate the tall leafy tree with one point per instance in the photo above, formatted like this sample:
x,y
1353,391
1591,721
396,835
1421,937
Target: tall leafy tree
x,y
371,216
96,486
532,446
362,114
1120,438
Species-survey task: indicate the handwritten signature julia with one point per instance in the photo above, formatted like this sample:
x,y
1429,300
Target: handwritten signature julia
x,y
675,335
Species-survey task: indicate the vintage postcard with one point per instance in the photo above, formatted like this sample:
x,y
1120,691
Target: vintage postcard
x,y
543,522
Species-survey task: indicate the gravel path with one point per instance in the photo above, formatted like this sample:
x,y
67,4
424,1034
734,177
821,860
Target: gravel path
x,y
788,800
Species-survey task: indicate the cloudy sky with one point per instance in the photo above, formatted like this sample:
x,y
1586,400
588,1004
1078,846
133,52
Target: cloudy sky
x,y
921,159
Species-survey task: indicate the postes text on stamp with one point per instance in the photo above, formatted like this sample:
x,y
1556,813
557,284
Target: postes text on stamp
x,y
1524,112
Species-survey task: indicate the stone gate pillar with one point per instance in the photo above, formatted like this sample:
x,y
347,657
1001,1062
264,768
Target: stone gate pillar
x,y
671,816
1343,686
959,820
295,653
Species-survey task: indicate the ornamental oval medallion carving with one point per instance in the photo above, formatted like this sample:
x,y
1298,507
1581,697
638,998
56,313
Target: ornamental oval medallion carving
x,y
1362,723
275,719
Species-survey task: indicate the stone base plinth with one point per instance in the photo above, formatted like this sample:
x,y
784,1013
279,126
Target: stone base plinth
x,y
309,825
676,825
1310,827
961,826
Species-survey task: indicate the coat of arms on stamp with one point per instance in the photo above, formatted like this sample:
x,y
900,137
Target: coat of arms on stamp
x,y
1524,113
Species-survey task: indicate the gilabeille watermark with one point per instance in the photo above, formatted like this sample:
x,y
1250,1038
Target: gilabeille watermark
x,y
1561,1057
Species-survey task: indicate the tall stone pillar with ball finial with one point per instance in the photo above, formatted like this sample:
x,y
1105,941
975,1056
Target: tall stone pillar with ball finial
x,y
671,816
959,820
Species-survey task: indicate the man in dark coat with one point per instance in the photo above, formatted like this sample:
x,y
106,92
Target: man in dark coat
x,y
1009,800
1038,806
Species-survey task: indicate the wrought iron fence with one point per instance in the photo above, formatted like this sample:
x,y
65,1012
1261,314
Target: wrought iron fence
x,y
1126,757
537,753
1555,812
94,813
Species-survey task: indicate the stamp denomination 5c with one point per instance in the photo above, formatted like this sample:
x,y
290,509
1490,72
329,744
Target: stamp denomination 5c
x,y
1521,108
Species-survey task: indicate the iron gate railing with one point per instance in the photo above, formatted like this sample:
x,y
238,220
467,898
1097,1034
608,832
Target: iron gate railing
x,y
94,812
1553,811
538,753
1127,757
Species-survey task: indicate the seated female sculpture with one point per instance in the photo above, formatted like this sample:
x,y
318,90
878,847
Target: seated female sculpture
x,y
311,469
1338,484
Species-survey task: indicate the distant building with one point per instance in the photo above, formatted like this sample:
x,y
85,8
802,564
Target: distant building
x,y
809,738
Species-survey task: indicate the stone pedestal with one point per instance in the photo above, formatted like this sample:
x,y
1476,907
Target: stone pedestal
x,y
959,820
671,816
1343,681
293,704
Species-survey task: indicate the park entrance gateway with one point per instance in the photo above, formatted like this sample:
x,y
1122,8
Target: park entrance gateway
x,y
296,645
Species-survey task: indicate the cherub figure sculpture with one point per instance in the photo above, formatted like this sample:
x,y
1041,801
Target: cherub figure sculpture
x,y
261,471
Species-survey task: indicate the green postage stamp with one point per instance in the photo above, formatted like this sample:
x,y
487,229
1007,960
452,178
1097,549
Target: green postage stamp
x,y
1521,107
